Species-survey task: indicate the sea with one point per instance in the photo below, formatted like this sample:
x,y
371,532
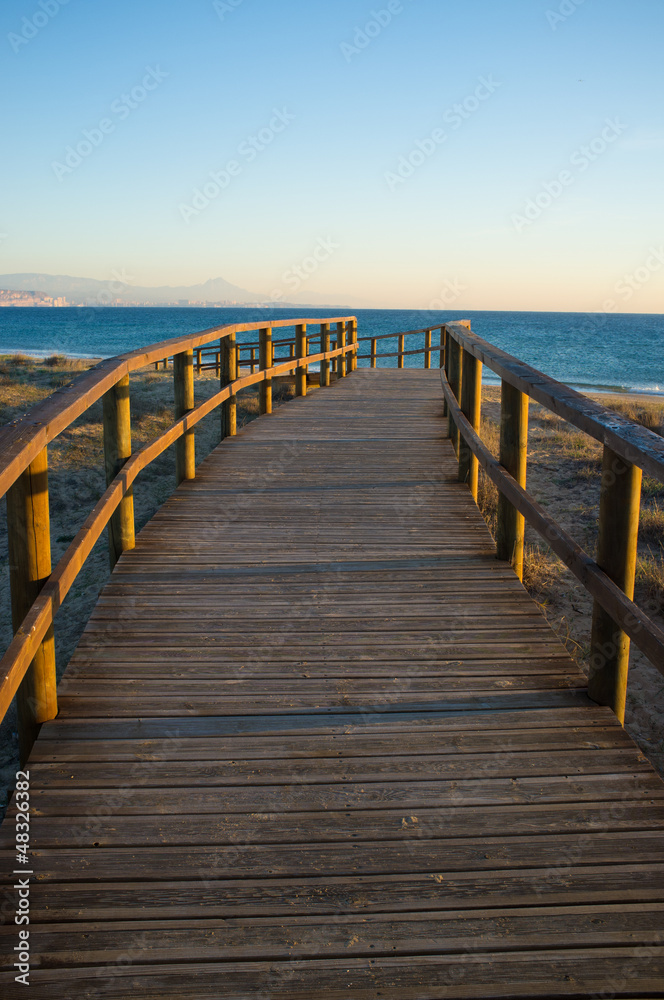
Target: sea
x,y
601,352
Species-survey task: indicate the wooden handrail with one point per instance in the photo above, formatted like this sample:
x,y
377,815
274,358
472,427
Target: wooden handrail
x,y
629,449
39,599
645,633
633,442
397,354
22,440
404,333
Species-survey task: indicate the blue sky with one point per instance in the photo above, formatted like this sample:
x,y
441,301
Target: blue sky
x,y
478,213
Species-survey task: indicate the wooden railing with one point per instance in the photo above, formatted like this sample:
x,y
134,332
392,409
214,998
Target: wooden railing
x,y
428,350
27,668
629,450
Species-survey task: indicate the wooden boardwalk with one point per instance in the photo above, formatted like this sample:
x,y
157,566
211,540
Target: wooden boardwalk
x,y
317,742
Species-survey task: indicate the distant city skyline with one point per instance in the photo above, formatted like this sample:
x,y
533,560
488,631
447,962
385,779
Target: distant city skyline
x,y
399,154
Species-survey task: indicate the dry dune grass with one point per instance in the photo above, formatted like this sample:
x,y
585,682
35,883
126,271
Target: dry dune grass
x,y
76,481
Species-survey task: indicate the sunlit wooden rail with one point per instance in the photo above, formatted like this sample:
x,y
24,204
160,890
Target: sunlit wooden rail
x,y
28,667
328,746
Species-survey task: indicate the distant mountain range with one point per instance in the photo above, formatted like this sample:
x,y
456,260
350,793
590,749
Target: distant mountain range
x,y
119,291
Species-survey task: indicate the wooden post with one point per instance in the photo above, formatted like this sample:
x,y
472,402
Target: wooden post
x,y
471,407
444,363
510,527
374,351
402,348
266,360
455,378
29,567
334,343
324,349
291,349
185,447
229,367
427,349
199,360
302,348
619,506
117,451
341,342
353,340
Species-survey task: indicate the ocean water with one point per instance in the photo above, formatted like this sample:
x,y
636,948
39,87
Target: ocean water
x,y
616,351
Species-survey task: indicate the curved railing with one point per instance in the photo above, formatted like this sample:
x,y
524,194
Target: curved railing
x,y
28,665
629,450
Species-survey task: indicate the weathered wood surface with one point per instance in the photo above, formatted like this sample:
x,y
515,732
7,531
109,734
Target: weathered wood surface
x,y
316,741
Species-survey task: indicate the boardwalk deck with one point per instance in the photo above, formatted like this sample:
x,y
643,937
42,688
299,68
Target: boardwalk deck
x,y
317,742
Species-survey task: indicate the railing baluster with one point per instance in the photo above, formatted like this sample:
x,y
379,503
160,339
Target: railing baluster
x,y
619,508
444,361
341,342
510,526
374,351
427,348
324,348
230,359
353,340
471,407
455,377
302,349
117,450
402,348
199,362
29,532
334,343
266,360
185,447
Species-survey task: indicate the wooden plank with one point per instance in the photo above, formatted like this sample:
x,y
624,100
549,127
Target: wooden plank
x,y
141,800
211,896
269,939
356,826
393,768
